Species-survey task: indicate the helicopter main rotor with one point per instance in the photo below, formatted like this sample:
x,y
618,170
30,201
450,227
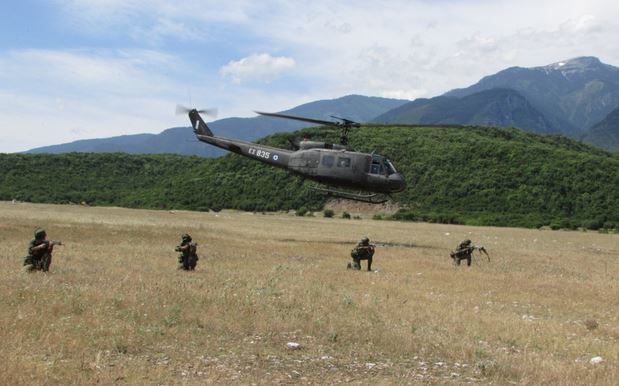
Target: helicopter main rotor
x,y
344,124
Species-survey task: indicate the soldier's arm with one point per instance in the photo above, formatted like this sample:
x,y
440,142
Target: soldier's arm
x,y
40,247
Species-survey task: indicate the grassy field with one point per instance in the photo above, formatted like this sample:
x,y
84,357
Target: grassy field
x,y
114,309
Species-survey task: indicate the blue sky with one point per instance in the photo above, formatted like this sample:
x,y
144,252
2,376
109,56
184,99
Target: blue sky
x,y
78,69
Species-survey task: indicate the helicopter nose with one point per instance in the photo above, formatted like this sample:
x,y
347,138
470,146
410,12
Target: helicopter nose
x,y
397,183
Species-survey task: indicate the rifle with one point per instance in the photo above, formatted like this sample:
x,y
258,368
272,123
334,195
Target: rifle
x,y
178,247
462,252
46,259
49,245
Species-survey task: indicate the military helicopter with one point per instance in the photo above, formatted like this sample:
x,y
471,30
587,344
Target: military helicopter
x,y
326,163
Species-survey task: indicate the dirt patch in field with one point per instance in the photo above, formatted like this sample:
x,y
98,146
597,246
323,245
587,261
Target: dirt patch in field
x,y
361,208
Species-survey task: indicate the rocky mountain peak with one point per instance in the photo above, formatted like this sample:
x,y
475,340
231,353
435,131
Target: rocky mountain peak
x,y
580,64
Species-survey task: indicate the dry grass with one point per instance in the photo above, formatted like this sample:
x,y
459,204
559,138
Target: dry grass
x,y
114,309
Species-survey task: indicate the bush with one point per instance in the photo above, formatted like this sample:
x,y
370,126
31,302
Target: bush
x,y
346,215
302,211
377,216
328,213
405,215
594,225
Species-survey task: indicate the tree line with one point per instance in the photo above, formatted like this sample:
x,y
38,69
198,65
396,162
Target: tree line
x,y
467,175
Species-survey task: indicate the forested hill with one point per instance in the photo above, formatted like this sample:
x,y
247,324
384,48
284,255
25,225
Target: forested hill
x,y
471,175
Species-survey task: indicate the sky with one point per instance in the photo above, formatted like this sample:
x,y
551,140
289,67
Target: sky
x,y
80,69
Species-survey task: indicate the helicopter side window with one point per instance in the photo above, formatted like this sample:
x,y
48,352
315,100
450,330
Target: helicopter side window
x,y
376,168
328,160
343,162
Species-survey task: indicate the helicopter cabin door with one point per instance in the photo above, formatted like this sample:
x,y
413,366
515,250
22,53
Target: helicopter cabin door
x,y
305,162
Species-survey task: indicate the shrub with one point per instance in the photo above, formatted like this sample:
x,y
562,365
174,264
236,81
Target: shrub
x,y
592,224
346,215
405,215
302,211
328,213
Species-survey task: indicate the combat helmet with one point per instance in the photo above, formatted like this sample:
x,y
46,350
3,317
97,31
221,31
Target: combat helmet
x,y
39,234
186,238
365,240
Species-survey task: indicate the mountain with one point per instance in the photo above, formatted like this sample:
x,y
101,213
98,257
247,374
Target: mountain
x,y
181,140
576,93
605,134
495,107
470,175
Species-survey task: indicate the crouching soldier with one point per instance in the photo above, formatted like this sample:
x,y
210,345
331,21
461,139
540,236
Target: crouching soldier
x,y
39,252
188,258
464,251
363,251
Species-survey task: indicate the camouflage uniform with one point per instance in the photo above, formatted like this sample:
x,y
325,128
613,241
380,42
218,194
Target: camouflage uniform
x,y
464,251
188,258
363,251
39,253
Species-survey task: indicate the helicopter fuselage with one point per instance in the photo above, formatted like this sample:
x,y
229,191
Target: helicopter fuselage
x,y
318,161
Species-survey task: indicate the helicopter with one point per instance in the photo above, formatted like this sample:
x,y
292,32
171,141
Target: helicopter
x,y
326,163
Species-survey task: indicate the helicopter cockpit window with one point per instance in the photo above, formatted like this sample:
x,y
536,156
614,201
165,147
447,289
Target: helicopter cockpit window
x,y
343,162
389,167
328,160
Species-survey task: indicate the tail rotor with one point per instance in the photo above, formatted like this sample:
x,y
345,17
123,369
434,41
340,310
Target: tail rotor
x,y
211,112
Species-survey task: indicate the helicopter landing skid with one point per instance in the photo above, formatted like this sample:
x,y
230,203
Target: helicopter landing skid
x,y
372,198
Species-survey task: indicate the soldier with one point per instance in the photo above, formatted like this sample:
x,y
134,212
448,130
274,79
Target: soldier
x,y
39,252
187,259
464,251
363,251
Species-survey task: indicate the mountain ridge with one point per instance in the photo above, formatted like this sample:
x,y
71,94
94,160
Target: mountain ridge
x,y
497,107
577,93
181,140
605,134
566,97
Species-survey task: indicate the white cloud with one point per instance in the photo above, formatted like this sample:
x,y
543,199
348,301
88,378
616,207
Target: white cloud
x,y
257,67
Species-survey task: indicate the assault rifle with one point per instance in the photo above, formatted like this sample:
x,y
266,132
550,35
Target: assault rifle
x,y
178,247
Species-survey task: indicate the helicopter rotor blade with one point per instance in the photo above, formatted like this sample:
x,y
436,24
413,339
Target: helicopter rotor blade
x,y
211,112
182,109
310,120
347,122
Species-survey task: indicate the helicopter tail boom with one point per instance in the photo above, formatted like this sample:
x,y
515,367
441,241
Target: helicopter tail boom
x,y
198,124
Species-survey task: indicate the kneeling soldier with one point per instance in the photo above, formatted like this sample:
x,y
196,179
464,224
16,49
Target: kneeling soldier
x,y
188,258
363,251
39,252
